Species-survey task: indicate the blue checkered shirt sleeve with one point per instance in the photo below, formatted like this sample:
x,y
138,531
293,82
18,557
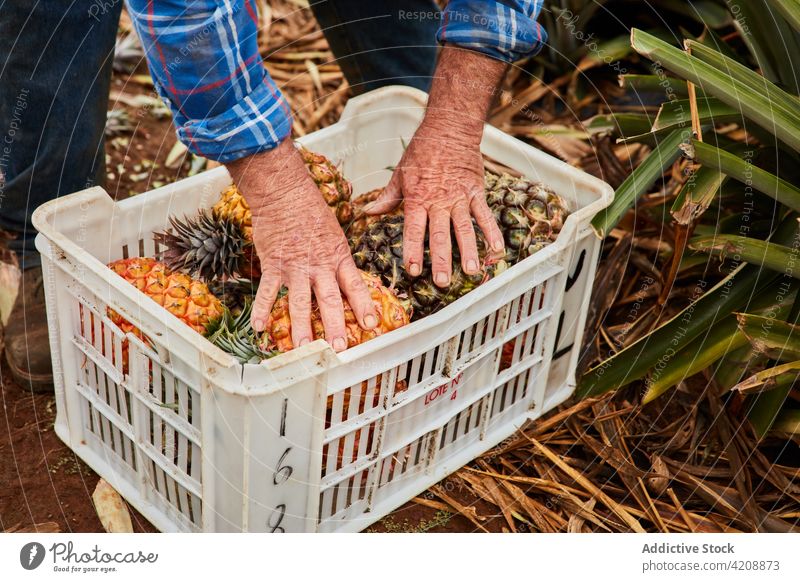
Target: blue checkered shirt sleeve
x,y
503,29
203,57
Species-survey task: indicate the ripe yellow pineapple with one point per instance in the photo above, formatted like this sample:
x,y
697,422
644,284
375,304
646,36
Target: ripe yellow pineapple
x,y
232,205
392,313
187,299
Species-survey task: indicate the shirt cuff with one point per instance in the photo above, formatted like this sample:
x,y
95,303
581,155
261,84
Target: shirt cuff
x,y
493,28
258,122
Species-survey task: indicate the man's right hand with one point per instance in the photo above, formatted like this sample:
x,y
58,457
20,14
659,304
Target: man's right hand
x,y
300,245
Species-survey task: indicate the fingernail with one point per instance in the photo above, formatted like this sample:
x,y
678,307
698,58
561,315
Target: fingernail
x,y
259,324
440,279
339,344
497,246
472,266
371,321
414,269
304,341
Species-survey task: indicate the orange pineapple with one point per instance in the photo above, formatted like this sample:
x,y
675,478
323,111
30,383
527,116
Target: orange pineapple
x,y
392,313
187,299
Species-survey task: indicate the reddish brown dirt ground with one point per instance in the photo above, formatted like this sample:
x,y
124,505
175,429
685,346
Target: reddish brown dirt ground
x,y
42,482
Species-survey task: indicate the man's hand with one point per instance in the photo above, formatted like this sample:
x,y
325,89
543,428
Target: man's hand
x,y
300,245
440,176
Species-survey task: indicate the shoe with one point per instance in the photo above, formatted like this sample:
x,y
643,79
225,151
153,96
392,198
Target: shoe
x,y
27,345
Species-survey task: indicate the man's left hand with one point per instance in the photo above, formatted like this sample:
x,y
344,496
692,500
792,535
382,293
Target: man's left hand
x,y
440,176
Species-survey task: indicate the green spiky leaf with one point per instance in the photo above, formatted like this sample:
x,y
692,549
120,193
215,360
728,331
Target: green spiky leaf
x,y
776,113
773,256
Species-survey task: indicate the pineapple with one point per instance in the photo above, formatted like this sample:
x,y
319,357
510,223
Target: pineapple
x,y
209,247
234,293
232,205
233,334
379,250
219,243
530,217
392,313
336,190
187,299
529,214
361,220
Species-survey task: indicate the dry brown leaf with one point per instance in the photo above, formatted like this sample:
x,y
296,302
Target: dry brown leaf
x,y
658,478
111,509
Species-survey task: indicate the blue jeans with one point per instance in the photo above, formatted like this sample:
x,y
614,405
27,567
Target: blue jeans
x,y
381,42
55,73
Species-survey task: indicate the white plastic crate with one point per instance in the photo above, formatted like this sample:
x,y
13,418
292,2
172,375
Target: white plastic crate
x,y
310,440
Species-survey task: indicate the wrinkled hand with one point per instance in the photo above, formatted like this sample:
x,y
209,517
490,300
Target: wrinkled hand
x,y
300,245
440,179
440,176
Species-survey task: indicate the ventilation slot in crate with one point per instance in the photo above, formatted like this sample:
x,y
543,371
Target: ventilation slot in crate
x,y
419,370
356,401
396,465
512,392
462,424
345,451
142,247
107,402
179,500
527,305
338,498
472,339
523,350
113,440
170,425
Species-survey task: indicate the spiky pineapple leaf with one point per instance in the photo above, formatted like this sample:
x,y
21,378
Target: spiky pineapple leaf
x,y
773,256
696,195
777,339
746,172
233,334
769,106
733,293
714,41
770,379
771,40
721,339
653,84
790,9
621,124
709,109
740,73
717,342
640,180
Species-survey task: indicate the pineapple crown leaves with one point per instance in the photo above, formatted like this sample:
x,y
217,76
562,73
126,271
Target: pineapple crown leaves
x,y
207,246
233,334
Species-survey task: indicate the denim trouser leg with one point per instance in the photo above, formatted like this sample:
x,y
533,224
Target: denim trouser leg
x,y
55,72
381,42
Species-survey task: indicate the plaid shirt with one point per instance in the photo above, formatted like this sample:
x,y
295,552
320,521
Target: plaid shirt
x,y
203,56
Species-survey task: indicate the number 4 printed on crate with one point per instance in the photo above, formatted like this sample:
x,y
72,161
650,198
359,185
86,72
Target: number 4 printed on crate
x,y
447,389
